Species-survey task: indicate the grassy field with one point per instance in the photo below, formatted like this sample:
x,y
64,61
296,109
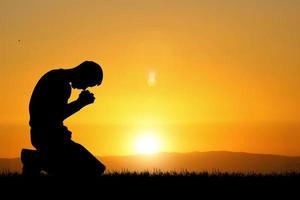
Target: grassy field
x,y
172,178
187,184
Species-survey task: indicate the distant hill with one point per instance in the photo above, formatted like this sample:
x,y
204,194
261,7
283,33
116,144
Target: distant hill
x,y
205,161
195,161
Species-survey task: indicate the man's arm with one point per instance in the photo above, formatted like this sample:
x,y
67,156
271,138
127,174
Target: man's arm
x,y
72,108
85,98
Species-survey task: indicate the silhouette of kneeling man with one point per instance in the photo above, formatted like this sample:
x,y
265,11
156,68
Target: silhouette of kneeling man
x,y
56,153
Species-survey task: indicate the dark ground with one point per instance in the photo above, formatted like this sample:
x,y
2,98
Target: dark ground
x,y
145,185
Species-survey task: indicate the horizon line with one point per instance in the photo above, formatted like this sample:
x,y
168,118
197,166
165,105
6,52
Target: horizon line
x,y
189,152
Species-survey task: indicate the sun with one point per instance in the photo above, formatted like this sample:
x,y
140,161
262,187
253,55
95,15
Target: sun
x,y
147,143
151,78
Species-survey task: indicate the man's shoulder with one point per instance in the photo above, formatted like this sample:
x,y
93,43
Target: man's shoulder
x,y
54,79
54,74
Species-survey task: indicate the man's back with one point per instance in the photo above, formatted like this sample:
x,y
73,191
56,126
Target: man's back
x,y
47,104
48,100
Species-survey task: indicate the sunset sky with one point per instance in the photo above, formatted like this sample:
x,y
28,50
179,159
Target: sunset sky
x,y
179,75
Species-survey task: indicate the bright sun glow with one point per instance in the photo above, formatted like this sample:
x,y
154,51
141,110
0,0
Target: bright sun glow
x,y
151,79
147,144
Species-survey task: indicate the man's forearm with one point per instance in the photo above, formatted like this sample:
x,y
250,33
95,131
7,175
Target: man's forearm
x,y
72,108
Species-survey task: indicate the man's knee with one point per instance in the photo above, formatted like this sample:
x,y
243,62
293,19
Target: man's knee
x,y
102,168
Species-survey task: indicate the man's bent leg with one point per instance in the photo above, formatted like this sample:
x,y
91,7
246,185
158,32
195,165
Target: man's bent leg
x,y
81,161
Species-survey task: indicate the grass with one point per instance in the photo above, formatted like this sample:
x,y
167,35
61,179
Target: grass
x,y
156,182
175,175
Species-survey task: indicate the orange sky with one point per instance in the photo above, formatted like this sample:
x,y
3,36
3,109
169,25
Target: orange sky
x,y
212,63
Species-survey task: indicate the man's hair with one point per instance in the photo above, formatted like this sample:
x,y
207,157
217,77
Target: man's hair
x,y
89,70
